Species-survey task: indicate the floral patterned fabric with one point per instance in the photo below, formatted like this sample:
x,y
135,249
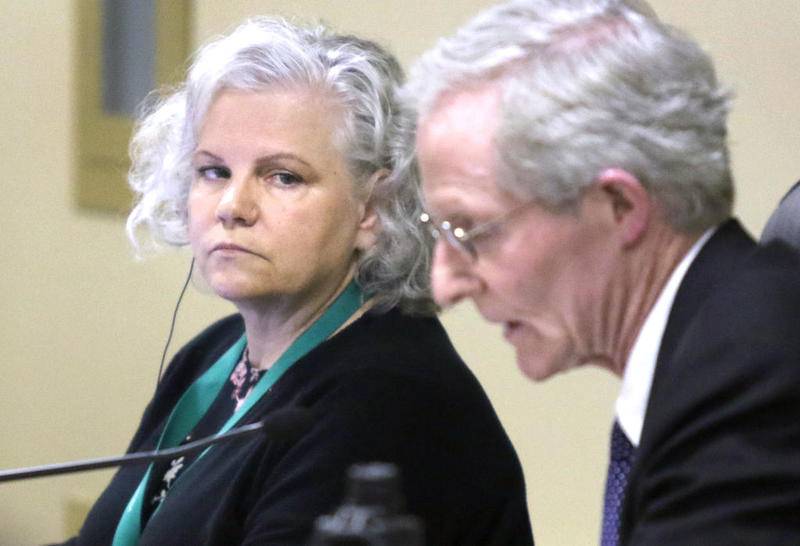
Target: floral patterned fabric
x,y
236,390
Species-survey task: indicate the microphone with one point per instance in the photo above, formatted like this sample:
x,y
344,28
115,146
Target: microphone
x,y
283,425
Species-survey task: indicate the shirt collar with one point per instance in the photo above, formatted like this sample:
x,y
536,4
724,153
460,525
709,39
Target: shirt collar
x,y
641,364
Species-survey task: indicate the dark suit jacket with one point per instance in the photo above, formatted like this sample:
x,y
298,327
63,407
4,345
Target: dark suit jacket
x,y
719,458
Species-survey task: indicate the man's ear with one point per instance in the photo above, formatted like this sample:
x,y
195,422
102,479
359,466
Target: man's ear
x,y
369,224
630,204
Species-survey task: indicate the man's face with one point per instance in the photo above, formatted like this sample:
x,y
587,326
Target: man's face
x,y
541,275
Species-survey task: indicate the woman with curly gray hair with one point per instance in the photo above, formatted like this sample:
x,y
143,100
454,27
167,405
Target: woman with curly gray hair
x,y
277,162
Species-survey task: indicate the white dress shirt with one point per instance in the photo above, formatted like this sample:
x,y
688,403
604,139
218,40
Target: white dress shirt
x,y
641,365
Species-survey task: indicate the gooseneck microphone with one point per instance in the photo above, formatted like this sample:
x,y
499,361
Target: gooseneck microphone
x,y
283,425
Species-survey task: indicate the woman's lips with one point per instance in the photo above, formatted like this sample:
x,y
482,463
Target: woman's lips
x,y
230,248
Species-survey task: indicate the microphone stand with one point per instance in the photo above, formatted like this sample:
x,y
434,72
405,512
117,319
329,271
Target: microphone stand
x,y
285,424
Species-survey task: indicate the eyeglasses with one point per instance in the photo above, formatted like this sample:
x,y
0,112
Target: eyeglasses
x,y
463,240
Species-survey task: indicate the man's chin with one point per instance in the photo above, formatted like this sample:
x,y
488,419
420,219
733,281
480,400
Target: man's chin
x,y
536,368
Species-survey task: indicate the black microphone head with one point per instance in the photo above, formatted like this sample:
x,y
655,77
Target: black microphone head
x,y
287,424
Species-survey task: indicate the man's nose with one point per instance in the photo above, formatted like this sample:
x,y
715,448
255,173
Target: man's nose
x,y
451,275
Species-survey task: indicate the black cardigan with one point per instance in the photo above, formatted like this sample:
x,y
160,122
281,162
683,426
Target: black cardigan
x,y
388,388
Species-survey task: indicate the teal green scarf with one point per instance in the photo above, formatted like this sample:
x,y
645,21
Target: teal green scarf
x,y
198,397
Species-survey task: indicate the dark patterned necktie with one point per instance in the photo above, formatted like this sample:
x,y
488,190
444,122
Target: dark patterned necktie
x,y
619,466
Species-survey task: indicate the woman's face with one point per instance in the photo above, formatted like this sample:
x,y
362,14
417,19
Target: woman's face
x,y
273,215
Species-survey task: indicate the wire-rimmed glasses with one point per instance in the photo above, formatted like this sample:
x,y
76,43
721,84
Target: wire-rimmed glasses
x,y
463,240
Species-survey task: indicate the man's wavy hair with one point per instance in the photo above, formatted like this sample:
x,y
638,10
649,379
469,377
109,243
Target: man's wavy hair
x,y
588,85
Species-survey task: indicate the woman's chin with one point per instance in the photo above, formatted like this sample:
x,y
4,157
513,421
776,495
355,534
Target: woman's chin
x,y
235,292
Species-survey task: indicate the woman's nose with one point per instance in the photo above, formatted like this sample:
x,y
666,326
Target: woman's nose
x,y
238,204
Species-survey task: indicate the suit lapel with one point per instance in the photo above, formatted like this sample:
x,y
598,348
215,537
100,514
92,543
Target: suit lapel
x,y
720,256
715,261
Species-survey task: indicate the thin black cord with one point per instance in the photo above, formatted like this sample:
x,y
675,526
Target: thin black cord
x,y
172,325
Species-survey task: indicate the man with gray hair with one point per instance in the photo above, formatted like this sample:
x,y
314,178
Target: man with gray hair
x,y
575,169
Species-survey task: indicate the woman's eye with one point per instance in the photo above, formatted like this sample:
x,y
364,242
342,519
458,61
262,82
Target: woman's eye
x,y
213,173
283,178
